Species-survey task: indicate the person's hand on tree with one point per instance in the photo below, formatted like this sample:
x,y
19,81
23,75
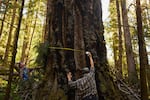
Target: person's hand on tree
x,y
69,76
89,54
91,59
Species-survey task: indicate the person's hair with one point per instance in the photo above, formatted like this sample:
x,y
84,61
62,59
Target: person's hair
x,y
85,70
20,64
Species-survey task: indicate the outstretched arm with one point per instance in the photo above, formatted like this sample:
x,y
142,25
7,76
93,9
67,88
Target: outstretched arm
x,y
91,59
71,83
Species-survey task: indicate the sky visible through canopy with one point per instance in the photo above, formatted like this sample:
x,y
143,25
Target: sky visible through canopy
x,y
105,7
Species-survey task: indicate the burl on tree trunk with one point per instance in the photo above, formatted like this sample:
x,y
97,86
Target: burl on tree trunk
x,y
74,24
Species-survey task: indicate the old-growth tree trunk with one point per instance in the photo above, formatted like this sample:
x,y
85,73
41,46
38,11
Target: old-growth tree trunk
x,y
14,52
120,39
74,24
132,74
142,53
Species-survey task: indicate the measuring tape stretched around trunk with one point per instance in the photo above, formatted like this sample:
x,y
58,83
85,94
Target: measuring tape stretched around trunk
x,y
70,49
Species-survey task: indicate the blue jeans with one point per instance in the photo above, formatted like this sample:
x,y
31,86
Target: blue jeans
x,y
90,97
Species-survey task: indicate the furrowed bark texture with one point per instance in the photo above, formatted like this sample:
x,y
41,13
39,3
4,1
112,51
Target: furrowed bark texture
x,y
75,24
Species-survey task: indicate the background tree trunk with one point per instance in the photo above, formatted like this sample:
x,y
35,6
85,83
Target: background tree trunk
x,y
75,24
146,21
142,53
2,24
26,40
115,51
120,39
10,36
32,35
132,74
8,89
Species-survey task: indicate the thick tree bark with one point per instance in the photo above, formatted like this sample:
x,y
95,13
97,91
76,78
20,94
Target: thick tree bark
x,y
75,24
132,74
79,45
48,21
120,39
142,53
8,89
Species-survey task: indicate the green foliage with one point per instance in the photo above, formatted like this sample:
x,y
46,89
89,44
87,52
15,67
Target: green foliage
x,y
42,50
25,89
36,6
3,84
1,95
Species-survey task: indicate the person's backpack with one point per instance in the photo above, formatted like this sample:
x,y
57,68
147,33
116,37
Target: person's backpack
x,y
25,74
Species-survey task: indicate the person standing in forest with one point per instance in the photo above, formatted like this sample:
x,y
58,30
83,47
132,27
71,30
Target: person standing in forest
x,y
23,71
85,87
25,84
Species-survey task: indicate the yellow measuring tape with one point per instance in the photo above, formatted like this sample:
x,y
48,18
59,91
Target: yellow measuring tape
x,y
70,49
